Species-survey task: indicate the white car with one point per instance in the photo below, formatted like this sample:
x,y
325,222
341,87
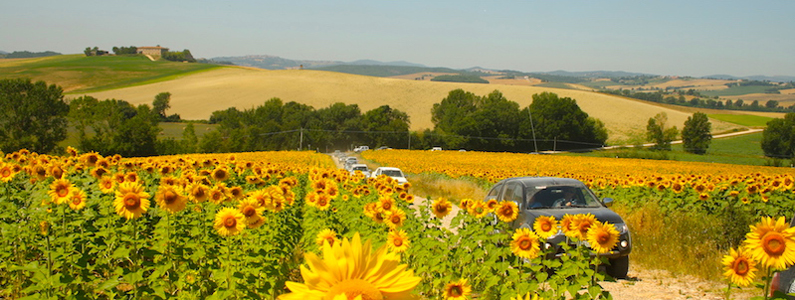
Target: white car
x,y
360,167
361,148
395,173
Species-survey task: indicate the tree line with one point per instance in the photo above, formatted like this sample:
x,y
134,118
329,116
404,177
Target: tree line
x,y
700,101
35,116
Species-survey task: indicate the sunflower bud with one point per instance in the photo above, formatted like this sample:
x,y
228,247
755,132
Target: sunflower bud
x,y
44,228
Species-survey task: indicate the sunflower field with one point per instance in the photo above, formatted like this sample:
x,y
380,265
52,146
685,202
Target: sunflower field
x,y
289,225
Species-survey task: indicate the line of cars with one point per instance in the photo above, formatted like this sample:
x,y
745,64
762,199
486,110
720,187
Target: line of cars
x,y
352,165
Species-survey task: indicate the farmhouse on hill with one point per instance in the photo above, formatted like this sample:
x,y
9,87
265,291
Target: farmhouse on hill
x,y
156,52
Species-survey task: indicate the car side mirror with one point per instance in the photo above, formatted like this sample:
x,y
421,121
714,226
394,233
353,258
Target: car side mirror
x,y
608,202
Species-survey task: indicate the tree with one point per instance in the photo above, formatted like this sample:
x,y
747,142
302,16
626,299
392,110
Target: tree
x,y
778,139
161,103
657,133
562,121
387,126
696,135
32,115
771,104
114,127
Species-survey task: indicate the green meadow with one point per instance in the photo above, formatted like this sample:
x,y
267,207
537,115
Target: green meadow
x,y
744,120
78,73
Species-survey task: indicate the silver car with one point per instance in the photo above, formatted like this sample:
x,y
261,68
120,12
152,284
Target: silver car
x,y
550,196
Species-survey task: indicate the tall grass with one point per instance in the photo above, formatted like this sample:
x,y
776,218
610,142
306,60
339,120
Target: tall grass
x,y
435,186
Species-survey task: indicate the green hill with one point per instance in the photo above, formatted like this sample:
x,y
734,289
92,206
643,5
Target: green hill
x,y
81,74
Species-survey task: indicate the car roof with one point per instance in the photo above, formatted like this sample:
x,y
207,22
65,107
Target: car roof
x,y
358,165
544,181
389,168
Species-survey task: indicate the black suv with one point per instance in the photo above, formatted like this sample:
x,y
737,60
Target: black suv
x,y
550,196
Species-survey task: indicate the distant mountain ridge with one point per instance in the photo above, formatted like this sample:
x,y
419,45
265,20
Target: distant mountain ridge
x,y
384,69
270,62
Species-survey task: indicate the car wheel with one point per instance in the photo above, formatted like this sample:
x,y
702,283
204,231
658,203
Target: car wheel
x,y
618,267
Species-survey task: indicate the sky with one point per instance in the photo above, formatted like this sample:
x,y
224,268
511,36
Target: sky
x,y
684,38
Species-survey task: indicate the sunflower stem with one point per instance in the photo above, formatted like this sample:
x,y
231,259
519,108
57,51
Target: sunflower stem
x,y
228,263
767,282
729,291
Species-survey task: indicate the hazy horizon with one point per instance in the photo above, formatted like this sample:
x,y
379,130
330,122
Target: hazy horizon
x,y
683,38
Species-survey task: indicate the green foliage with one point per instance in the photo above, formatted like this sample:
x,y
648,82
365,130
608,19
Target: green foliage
x,y
32,115
125,50
183,56
460,78
277,126
561,119
778,139
114,127
696,135
657,132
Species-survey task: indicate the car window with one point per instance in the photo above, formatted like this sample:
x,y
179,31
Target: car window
x,y
561,197
393,173
495,191
514,192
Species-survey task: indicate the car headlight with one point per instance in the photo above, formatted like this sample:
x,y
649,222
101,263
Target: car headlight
x,y
621,227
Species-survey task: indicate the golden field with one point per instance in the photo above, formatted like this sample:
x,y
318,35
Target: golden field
x,y
196,96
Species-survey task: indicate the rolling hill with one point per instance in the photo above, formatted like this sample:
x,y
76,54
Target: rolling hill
x,y
199,89
196,96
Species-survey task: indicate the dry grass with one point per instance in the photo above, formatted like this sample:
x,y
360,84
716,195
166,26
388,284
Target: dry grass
x,y
434,186
420,75
197,96
784,99
696,84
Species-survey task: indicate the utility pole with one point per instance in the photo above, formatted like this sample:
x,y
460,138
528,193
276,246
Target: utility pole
x,y
301,139
533,129
409,140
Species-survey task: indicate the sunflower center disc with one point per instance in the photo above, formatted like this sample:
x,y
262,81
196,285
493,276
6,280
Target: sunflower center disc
x,y
398,242
546,226
169,197
131,201
525,244
353,288
63,192
603,238
230,222
741,267
774,244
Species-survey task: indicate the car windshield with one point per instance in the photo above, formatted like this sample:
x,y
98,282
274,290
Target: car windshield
x,y
361,168
561,197
393,173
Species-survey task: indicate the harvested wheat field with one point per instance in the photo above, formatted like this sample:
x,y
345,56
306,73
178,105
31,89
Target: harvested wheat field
x,y
197,96
784,99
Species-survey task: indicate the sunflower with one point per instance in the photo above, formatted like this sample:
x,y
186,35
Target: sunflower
x,y
107,185
323,201
545,226
217,194
395,218
326,237
582,223
236,193
355,270
491,204
131,200
772,243
6,173
170,198
441,207
525,243
457,290
507,211
198,192
398,241
229,221
478,209
220,174
78,199
465,204
60,190
385,203
251,210
602,237
740,267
